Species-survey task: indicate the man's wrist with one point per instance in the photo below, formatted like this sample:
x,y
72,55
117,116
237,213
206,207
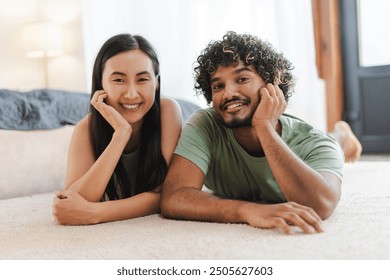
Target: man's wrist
x,y
263,127
242,212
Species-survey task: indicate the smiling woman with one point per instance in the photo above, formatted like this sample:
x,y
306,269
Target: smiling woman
x,y
119,153
130,90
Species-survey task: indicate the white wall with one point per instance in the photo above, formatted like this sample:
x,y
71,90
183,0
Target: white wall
x,y
179,30
66,71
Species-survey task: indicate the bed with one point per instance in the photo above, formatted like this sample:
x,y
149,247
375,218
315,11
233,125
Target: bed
x,y
35,131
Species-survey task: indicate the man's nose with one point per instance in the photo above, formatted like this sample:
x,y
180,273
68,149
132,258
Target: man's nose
x,y
230,91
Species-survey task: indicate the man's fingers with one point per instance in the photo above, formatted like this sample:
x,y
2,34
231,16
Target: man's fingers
x,y
307,215
263,92
281,224
300,206
271,89
310,216
301,216
301,222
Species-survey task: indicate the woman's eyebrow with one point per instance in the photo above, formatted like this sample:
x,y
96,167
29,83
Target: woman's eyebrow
x,y
117,73
123,74
143,73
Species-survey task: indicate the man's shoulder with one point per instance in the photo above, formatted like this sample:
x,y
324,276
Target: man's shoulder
x,y
300,135
203,118
293,126
205,124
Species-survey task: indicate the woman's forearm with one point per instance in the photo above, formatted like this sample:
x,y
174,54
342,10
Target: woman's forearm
x,y
140,205
94,182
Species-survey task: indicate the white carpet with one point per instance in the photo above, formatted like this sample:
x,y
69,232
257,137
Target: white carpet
x,y
359,229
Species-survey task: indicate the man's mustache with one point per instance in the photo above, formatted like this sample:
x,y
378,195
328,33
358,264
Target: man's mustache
x,y
234,99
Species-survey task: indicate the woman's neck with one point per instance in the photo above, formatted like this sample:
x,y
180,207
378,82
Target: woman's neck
x,y
135,138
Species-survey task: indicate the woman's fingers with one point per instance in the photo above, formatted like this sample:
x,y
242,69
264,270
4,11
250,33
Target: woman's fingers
x,y
109,113
96,96
98,100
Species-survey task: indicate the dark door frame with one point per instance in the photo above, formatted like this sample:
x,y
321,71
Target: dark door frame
x,y
362,111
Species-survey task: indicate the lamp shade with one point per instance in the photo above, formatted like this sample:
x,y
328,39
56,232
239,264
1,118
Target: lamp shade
x,y
42,39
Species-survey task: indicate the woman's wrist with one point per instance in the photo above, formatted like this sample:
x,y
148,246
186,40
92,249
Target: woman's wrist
x,y
97,211
121,136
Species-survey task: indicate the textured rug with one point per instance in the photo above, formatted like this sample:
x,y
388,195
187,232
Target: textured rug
x,y
358,229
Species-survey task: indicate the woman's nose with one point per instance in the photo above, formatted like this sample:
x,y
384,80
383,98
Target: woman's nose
x,y
131,92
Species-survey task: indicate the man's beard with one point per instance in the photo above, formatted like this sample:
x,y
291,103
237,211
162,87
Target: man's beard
x,y
236,122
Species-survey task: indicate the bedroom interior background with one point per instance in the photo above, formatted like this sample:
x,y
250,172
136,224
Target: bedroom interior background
x,y
178,35
19,71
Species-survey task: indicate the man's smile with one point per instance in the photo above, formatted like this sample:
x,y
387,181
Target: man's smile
x,y
233,105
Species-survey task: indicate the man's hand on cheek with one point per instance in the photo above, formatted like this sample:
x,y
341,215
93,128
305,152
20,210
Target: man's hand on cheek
x,y
271,106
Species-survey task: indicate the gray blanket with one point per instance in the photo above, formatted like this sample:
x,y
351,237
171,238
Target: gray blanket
x,y
49,109
41,109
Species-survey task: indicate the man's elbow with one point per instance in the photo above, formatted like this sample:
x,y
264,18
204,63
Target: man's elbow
x,y
324,213
325,208
167,206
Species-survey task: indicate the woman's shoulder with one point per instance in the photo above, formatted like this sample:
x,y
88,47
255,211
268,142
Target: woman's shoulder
x,y
170,109
83,124
170,126
82,128
168,104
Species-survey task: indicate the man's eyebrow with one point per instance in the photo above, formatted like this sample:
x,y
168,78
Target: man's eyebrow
x,y
237,71
214,80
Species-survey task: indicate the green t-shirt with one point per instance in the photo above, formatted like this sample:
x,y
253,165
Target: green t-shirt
x,y
232,173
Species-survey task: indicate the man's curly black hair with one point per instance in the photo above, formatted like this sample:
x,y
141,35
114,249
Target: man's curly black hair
x,y
270,65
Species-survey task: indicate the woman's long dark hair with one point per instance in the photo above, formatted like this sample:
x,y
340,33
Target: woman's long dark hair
x,y
152,166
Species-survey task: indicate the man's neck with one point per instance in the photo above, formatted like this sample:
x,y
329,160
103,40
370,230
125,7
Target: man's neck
x,y
249,141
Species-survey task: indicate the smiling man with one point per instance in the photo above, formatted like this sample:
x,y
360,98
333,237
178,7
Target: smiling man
x,y
265,168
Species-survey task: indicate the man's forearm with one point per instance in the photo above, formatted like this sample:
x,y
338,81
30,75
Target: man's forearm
x,y
193,204
297,180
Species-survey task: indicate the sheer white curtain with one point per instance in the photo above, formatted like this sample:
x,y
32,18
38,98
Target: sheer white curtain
x,y
180,29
